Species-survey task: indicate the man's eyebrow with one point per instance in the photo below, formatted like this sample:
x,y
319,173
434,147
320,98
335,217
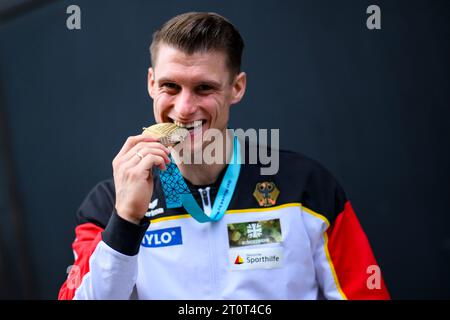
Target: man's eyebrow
x,y
162,80
211,83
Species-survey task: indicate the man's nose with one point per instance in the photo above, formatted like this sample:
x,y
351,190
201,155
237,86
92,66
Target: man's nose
x,y
186,104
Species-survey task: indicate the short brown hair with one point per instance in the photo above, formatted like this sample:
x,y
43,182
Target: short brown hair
x,y
201,31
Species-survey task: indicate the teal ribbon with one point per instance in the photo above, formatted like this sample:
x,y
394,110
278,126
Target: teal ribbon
x,y
177,192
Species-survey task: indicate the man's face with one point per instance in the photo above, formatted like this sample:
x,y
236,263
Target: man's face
x,y
193,90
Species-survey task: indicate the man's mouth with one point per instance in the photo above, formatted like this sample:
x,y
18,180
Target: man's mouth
x,y
189,125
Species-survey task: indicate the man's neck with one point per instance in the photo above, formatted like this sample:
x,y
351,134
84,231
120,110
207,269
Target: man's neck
x,y
204,174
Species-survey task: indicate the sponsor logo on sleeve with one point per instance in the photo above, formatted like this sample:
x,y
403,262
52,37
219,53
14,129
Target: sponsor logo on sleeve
x,y
162,238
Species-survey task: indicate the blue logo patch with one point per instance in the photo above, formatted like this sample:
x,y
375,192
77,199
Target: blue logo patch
x,y
162,238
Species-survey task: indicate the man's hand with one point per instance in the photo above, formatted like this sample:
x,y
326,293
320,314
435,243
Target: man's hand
x,y
133,177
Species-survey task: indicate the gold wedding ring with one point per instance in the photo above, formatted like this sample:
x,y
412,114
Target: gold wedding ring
x,y
139,155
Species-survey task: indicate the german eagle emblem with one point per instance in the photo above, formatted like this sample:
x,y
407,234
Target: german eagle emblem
x,y
266,193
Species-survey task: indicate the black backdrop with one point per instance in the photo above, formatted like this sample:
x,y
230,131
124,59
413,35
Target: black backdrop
x,y
372,106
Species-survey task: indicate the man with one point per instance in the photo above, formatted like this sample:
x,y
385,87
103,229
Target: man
x,y
168,229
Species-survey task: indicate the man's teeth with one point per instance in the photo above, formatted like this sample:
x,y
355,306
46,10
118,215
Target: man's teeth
x,y
189,125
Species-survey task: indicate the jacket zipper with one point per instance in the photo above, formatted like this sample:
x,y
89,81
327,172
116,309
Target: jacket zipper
x,y
207,209
206,200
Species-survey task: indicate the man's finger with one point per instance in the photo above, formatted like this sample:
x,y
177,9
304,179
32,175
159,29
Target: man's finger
x,y
150,161
141,146
137,157
132,141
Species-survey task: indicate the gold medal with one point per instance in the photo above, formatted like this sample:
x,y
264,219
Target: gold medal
x,y
169,134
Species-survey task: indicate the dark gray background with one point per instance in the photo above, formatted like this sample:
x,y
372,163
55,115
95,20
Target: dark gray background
x,y
372,106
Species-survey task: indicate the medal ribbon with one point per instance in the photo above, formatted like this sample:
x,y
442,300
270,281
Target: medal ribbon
x,y
177,192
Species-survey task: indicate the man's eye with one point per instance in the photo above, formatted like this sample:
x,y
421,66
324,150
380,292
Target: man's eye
x,y
171,86
204,87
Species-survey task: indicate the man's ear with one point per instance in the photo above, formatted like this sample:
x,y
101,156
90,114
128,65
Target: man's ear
x,y
151,82
239,85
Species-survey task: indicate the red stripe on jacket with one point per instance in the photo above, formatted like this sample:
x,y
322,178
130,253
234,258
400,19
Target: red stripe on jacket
x,y
88,235
353,259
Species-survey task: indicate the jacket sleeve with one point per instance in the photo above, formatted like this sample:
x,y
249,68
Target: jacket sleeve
x,y
105,250
345,265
